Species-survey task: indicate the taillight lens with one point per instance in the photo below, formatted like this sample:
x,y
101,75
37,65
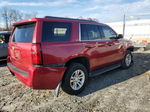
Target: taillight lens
x,y
36,54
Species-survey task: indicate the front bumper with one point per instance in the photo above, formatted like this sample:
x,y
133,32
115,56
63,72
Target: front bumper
x,y
39,77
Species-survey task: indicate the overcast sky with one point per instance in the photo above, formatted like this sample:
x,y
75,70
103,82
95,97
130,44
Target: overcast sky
x,y
104,10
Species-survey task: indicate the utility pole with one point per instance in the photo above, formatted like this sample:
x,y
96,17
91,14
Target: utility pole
x,y
124,24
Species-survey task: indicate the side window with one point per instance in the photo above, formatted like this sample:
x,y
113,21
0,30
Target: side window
x,y
84,35
90,32
60,32
108,33
56,31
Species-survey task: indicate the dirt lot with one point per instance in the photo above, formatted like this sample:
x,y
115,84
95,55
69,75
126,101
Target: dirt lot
x,y
116,91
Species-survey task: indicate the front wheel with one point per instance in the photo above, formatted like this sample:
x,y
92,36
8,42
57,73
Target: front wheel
x,y
128,60
75,79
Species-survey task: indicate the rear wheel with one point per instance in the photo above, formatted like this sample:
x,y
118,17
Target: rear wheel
x,y
75,79
128,60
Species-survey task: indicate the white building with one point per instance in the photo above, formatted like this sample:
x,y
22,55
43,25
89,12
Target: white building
x,y
137,30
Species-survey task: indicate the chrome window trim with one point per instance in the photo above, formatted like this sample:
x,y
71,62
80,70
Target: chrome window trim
x,y
79,31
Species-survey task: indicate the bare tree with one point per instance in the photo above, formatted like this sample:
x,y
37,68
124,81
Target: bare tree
x,y
14,15
4,14
11,15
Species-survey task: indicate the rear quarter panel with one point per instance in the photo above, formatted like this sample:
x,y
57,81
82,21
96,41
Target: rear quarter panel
x,y
62,52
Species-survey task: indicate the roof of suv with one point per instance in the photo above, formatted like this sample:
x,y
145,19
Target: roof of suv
x,y
48,18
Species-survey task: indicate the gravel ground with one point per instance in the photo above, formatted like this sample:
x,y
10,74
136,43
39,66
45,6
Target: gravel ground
x,y
115,91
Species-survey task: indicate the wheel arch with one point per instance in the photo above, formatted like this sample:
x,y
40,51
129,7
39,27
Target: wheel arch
x,y
82,60
130,49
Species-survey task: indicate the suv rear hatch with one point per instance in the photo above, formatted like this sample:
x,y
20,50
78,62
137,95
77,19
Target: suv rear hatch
x,y
20,46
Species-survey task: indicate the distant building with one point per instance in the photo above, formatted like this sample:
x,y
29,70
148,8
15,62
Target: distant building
x,y
137,30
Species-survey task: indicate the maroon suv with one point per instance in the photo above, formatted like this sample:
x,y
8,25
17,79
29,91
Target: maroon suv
x,y
46,51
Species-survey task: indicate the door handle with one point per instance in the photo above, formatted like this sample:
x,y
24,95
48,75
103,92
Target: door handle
x,y
89,46
109,44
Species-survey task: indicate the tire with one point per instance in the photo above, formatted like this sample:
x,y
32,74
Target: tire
x,y
70,84
128,60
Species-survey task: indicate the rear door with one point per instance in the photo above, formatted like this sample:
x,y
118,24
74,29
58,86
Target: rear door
x,y
20,46
91,37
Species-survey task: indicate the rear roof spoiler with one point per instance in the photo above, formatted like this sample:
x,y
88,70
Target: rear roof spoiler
x,y
25,21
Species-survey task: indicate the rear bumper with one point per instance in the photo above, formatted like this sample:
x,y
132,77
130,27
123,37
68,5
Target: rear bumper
x,y
39,77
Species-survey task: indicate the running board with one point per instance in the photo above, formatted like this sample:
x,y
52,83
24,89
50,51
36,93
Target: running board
x,y
105,69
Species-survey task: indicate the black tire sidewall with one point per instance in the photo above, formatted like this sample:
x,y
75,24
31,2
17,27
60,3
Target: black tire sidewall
x,y
66,80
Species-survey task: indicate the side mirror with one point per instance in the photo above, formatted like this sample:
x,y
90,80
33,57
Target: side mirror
x,y
119,36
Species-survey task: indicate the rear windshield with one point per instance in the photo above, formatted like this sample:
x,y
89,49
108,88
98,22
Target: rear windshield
x,y
56,31
23,33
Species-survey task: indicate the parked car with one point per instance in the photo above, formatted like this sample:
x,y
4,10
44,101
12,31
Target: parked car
x,y
4,38
46,51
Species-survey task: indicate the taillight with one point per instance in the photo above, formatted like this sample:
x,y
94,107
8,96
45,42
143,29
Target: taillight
x,y
36,54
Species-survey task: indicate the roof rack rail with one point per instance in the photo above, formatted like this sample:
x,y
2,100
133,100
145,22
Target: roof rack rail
x,y
52,17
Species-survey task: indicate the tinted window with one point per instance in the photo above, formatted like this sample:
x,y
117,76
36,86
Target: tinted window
x,y
56,31
24,33
4,38
108,32
84,35
90,32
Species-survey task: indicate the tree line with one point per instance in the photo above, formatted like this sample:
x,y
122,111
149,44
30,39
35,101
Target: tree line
x,y
9,15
